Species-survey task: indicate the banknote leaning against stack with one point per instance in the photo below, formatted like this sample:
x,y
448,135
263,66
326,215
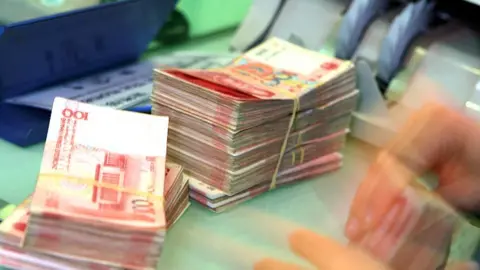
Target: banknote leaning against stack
x,y
417,232
276,115
176,193
100,192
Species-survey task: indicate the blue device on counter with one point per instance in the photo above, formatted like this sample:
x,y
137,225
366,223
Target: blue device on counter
x,y
141,109
48,50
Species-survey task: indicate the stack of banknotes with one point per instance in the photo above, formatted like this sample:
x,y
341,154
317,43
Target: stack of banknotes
x,y
101,187
276,115
13,256
12,230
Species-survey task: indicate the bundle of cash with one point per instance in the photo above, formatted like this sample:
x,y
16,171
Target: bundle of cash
x,y
219,201
12,232
100,187
417,232
176,193
277,108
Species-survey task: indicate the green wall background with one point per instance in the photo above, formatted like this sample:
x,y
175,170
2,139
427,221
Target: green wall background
x,y
209,16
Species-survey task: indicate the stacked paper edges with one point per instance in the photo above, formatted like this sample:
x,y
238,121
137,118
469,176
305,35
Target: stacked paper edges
x,y
104,196
176,193
12,230
276,115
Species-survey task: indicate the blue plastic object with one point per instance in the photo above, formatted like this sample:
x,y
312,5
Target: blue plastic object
x,y
357,19
48,50
141,109
408,25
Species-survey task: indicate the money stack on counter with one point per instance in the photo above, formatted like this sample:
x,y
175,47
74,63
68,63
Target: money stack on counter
x,y
276,115
99,194
176,193
219,201
12,232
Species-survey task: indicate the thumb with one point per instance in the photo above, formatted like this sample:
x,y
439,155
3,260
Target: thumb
x,y
326,253
463,266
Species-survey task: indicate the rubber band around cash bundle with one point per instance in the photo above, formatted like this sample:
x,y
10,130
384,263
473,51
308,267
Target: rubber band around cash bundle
x,y
296,107
302,149
228,77
94,183
302,156
259,73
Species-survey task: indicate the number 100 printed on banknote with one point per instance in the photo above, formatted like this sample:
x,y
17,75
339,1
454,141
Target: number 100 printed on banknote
x,y
102,171
101,162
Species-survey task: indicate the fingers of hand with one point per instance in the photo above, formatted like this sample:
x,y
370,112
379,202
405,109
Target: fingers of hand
x,y
414,150
384,182
429,135
355,225
272,264
463,266
325,253
462,195
394,177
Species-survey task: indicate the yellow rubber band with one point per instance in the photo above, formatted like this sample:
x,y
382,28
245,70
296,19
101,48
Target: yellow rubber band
x,y
299,139
93,182
302,156
296,106
302,151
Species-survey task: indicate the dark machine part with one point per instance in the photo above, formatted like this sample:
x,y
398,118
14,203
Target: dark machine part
x,y
463,11
263,36
382,86
445,11
175,30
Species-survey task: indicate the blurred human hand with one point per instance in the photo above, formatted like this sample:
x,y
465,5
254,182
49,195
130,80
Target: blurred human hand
x,y
322,253
327,254
435,139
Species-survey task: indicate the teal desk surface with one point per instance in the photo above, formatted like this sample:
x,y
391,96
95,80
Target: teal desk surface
x,y
239,237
